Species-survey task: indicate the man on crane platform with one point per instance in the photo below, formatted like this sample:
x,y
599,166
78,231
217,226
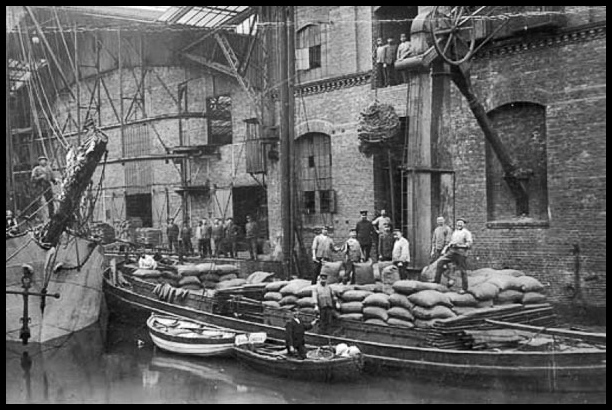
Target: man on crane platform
x,y
43,179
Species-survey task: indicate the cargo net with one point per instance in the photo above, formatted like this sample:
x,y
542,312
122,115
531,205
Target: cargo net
x,y
378,124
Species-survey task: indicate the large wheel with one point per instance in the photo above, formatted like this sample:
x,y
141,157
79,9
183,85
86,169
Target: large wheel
x,y
453,33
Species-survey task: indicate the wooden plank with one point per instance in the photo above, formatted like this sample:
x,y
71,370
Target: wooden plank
x,y
590,337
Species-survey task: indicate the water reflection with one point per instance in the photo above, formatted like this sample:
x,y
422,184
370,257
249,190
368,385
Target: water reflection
x,y
124,367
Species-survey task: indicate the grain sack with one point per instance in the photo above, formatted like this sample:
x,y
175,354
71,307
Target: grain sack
x,y
505,282
533,298
390,275
429,299
358,317
351,307
306,292
484,291
509,297
461,311
425,324
437,312
383,265
259,277
293,287
210,285
400,323
271,304
209,277
332,269
289,300
409,287
231,284
371,312
225,269
147,274
339,288
305,303
308,311
512,272
400,313
529,284
171,275
373,287
355,295
376,322
364,273
428,274
188,270
485,304
398,300
228,277
190,280
465,300
206,267
377,300
273,296
276,286
485,272
171,282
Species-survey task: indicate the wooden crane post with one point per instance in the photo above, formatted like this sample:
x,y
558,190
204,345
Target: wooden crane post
x,y
429,92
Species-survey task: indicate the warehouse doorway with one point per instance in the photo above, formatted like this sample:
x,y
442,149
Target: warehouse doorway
x,y
251,200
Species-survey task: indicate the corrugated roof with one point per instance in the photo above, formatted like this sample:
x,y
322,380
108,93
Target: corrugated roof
x,y
206,16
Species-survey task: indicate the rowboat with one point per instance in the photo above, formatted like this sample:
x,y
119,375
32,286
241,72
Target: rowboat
x,y
390,348
189,337
321,363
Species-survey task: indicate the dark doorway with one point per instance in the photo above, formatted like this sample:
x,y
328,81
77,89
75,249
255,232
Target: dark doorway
x,y
251,200
140,206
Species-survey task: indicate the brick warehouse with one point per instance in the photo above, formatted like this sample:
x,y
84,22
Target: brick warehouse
x,y
544,90
545,85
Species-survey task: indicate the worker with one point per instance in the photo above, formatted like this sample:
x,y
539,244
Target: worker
x,y
365,234
352,254
322,249
43,180
12,228
324,303
173,233
252,233
440,239
401,253
295,330
456,252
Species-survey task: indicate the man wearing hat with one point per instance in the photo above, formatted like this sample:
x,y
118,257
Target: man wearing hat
x,y
365,234
456,252
401,253
440,239
42,178
322,249
325,301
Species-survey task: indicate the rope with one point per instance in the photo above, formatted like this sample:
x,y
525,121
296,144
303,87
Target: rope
x,y
20,249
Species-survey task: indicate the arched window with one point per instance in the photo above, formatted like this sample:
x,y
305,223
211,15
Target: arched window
x,y
522,129
308,52
314,168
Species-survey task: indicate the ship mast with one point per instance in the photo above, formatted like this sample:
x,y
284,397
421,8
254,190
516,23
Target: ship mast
x,y
10,178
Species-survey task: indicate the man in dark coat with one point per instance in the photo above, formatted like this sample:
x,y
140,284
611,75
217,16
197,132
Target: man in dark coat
x,y
365,234
294,335
173,233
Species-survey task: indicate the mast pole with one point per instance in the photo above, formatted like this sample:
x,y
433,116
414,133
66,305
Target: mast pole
x,y
9,137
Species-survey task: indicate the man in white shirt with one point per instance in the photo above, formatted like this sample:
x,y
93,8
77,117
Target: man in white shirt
x,y
456,252
322,251
401,254
404,51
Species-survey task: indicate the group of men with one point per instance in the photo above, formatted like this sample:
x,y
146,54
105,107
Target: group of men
x,y
448,246
213,239
387,54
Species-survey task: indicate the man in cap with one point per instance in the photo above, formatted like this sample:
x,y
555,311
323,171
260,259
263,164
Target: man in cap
x,y
295,329
401,253
365,234
325,301
42,178
322,250
456,252
440,239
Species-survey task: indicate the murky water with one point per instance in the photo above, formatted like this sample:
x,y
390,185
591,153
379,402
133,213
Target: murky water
x,y
122,366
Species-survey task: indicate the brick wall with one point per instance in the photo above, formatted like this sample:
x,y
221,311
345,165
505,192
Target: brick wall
x,y
569,80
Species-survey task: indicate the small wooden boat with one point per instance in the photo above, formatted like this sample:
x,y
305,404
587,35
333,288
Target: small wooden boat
x,y
321,363
188,337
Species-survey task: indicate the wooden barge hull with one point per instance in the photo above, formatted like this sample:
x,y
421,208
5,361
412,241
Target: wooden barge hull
x,y
583,371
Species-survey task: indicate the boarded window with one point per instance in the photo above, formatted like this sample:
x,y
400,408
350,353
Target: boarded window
x,y
522,129
308,52
219,113
255,153
317,197
138,174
